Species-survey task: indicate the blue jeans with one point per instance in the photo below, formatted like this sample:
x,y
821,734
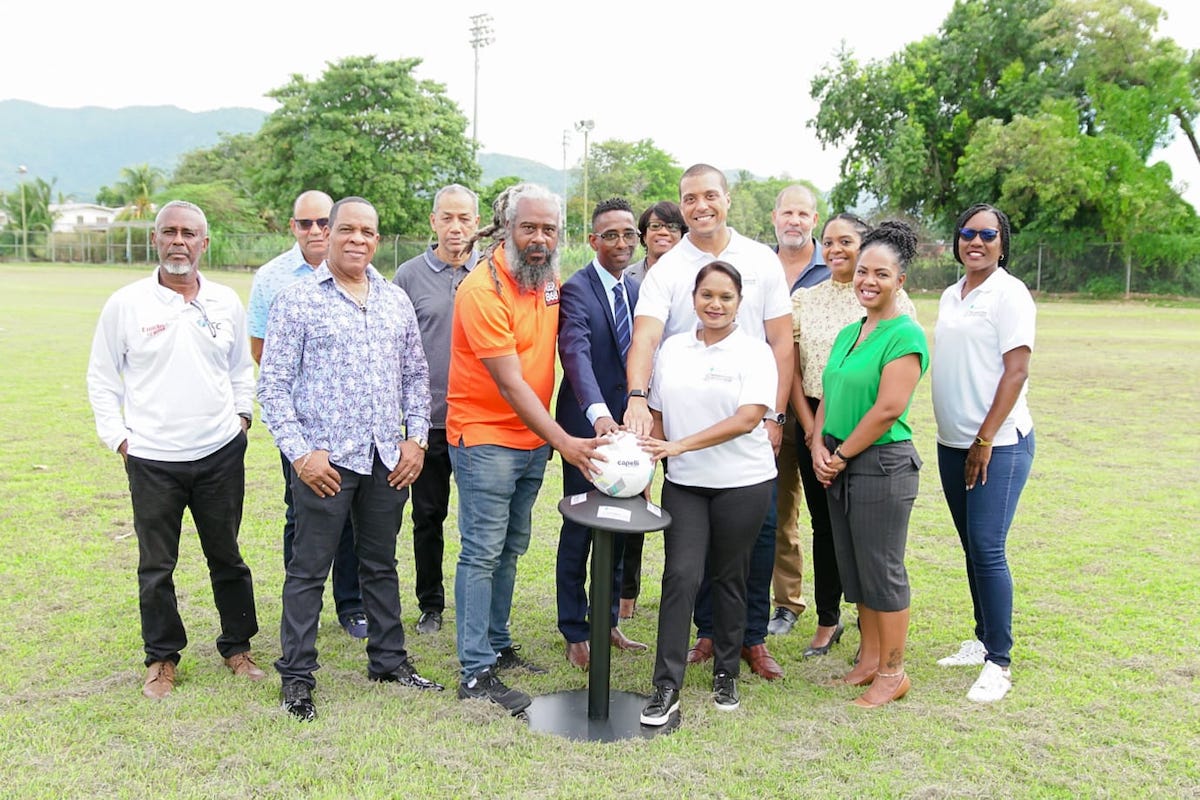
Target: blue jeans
x,y
758,584
983,516
497,487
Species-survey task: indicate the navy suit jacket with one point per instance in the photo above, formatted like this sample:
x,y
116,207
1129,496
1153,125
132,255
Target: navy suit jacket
x,y
593,368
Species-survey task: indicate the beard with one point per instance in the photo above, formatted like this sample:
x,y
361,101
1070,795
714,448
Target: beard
x,y
177,269
531,277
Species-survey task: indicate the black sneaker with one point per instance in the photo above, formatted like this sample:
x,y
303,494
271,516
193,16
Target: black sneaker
x,y
725,694
663,703
484,685
509,658
297,701
405,675
429,622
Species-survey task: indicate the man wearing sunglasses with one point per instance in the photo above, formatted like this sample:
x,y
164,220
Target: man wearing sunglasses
x,y
310,227
595,322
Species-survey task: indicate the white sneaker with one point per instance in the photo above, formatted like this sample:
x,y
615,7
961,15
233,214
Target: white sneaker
x,y
970,654
994,682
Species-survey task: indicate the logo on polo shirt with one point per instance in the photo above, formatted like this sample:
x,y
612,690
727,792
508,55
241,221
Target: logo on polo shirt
x,y
150,331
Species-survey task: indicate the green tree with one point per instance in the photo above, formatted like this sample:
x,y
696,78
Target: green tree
x,y
1065,70
639,171
752,201
488,195
135,191
366,128
231,159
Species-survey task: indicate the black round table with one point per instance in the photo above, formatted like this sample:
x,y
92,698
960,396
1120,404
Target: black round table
x,y
610,716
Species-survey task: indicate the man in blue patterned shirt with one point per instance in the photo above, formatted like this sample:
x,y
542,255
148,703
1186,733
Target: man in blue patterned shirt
x,y
343,377
310,227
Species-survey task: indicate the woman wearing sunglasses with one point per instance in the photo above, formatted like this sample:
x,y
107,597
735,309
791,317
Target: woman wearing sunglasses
x,y
983,340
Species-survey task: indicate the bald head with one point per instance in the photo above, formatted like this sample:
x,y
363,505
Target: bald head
x,y
310,225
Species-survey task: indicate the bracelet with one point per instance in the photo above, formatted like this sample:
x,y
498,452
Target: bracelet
x,y
981,442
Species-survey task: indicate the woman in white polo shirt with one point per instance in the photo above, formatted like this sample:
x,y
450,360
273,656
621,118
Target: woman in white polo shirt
x,y
711,388
983,341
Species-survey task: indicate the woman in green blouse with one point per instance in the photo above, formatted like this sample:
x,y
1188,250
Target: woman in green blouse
x,y
866,460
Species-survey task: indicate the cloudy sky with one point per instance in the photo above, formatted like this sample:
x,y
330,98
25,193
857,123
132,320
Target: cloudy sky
x,y
728,84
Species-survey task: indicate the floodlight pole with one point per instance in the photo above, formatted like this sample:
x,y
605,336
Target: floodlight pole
x,y
481,37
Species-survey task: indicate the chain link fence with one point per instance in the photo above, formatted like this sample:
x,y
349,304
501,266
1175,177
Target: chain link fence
x,y
1164,264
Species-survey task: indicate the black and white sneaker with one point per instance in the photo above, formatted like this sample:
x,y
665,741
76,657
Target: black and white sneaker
x,y
662,704
510,658
405,675
484,685
725,694
297,701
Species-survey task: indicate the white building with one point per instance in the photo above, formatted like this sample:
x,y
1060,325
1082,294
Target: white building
x,y
70,217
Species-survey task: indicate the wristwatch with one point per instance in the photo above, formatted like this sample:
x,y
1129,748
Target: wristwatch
x,y
421,441
778,419
638,393
248,417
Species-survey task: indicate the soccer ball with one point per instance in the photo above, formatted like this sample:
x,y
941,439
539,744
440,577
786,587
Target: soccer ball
x,y
628,470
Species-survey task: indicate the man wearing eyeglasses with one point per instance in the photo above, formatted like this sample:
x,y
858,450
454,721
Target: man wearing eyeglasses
x,y
431,280
171,383
310,227
595,323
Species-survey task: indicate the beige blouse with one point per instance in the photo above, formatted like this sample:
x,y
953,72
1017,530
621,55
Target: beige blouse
x,y
818,314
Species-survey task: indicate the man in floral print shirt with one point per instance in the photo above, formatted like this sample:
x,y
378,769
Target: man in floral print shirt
x,y
343,378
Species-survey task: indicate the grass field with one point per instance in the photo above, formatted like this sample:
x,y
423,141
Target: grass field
x,y
1105,553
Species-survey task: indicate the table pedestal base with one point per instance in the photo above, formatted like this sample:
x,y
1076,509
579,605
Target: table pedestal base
x,y
566,714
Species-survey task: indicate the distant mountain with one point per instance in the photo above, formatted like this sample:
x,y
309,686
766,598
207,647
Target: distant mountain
x,y
85,148
497,166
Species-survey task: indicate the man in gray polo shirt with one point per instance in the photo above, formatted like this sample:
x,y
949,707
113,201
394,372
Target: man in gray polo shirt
x,y
430,280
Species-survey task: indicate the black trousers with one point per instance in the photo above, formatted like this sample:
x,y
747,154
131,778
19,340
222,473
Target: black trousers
x,y
212,488
430,503
376,509
827,581
720,525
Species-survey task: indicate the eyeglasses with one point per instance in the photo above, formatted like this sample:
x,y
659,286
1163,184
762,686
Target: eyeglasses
x,y
305,224
673,227
986,234
630,237
206,322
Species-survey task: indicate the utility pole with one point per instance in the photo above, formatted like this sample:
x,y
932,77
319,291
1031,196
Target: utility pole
x,y
481,37
566,143
21,170
585,127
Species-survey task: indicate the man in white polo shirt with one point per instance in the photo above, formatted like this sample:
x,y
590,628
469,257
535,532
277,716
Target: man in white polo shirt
x,y
665,308
171,383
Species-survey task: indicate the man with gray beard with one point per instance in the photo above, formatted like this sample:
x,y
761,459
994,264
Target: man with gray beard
x,y
499,429
171,384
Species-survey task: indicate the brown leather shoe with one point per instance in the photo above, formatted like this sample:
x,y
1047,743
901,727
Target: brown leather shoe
x,y
579,654
761,662
622,642
243,666
701,651
160,680
628,606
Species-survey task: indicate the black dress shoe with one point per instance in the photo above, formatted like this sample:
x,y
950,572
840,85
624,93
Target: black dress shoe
x,y
810,651
297,701
405,675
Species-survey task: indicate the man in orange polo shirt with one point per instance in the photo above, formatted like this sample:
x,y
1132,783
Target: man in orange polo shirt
x,y
499,429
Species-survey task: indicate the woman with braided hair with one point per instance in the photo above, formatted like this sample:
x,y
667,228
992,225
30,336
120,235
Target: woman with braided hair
x,y
866,460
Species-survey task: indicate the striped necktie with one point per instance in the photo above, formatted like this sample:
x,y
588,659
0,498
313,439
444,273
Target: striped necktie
x,y
621,315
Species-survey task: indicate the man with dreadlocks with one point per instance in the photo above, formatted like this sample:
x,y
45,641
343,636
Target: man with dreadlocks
x,y
499,429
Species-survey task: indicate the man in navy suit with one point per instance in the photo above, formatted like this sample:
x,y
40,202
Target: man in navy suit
x,y
594,329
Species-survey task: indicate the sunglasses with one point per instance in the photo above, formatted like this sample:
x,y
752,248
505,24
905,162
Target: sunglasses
x,y
986,234
305,224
